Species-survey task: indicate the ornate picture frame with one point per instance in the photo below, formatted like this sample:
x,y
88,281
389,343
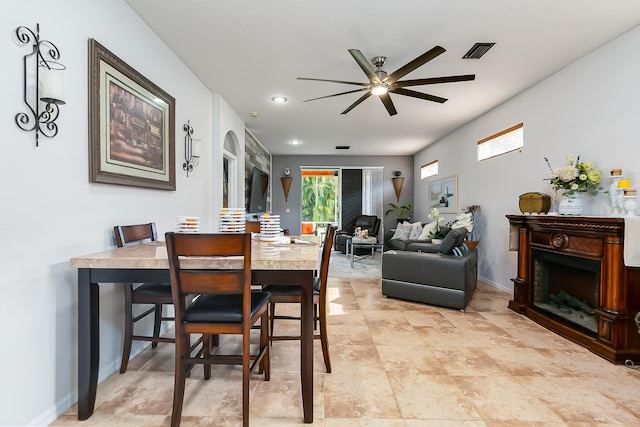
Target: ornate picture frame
x,y
131,125
443,194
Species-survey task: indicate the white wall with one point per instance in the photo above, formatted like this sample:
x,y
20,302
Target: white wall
x,y
49,212
590,108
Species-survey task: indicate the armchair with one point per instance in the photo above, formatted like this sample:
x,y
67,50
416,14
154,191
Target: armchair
x,y
368,222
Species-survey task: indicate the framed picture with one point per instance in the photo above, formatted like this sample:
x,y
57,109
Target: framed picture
x,y
131,125
443,194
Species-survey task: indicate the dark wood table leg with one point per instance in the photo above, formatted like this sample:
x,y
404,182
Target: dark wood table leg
x,y
88,343
306,346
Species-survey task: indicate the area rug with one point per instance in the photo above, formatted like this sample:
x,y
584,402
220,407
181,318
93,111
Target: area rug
x,y
369,267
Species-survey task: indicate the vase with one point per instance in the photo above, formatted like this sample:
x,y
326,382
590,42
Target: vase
x,y
571,205
436,241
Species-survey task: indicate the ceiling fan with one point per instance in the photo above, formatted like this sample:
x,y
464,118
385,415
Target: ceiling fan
x,y
382,84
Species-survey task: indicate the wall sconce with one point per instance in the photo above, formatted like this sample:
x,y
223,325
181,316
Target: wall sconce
x,y
286,183
191,149
43,86
397,183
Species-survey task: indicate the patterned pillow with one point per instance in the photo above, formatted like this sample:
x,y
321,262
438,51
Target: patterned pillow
x,y
416,230
402,231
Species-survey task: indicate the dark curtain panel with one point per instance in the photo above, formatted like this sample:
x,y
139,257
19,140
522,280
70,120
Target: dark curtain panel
x,y
351,197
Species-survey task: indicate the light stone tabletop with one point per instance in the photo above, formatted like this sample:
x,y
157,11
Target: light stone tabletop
x,y
153,255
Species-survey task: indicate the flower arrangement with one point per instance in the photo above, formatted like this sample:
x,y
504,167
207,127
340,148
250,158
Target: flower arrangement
x,y
437,234
464,220
576,176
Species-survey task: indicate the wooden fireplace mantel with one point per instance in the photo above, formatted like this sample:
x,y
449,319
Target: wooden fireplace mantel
x,y
594,238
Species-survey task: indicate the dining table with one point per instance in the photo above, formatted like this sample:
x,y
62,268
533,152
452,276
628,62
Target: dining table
x,y
273,264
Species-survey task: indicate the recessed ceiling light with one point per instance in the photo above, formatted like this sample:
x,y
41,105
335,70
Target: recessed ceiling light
x,y
279,99
295,142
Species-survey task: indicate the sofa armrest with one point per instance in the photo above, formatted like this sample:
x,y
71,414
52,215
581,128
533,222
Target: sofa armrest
x,y
435,269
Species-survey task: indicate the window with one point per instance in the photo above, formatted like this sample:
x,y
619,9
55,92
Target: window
x,y
319,195
429,169
502,142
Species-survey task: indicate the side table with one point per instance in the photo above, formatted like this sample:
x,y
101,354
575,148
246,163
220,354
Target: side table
x,y
352,244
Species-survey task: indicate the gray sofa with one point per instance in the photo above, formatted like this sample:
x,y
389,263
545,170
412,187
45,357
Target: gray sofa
x,y
446,278
413,245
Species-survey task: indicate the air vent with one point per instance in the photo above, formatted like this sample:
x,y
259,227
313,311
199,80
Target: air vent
x,y
342,147
478,50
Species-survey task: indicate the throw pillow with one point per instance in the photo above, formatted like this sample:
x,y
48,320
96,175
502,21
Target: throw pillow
x,y
428,228
449,242
402,231
453,239
416,230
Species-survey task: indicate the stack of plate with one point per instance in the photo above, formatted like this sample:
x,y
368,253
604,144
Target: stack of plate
x,y
269,227
232,220
188,224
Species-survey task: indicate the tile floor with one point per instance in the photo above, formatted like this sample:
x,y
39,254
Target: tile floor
x,y
395,364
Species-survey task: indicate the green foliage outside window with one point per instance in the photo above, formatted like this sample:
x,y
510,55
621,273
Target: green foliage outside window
x,y
319,198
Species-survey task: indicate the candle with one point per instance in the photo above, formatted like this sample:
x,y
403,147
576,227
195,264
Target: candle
x,y
624,183
196,147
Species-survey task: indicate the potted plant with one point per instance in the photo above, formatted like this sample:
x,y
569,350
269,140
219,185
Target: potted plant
x,y
400,211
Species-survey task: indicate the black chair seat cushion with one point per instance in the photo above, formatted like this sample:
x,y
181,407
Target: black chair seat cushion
x,y
291,289
223,308
156,290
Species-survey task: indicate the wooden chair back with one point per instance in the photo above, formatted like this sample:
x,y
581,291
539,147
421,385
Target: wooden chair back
x,y
187,277
126,234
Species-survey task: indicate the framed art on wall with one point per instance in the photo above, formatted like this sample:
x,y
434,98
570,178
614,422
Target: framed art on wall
x,y
131,125
443,194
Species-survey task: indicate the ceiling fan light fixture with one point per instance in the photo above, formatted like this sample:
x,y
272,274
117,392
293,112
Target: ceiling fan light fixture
x,y
379,89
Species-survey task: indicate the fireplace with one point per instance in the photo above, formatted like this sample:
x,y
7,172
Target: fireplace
x,y
566,288
572,280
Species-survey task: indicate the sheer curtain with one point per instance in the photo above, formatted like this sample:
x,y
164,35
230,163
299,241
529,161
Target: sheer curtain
x,y
372,194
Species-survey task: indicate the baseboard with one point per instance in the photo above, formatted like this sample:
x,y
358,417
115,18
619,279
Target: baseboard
x,y
502,287
66,402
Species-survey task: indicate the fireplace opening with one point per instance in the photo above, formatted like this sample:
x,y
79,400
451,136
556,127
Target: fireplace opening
x,y
566,288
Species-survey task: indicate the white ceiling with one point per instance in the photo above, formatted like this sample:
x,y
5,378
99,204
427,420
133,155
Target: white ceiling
x,y
251,50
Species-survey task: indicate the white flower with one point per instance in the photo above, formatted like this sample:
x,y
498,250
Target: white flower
x,y
434,213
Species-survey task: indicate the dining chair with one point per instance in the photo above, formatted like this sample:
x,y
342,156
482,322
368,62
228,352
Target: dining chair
x,y
155,294
226,305
292,294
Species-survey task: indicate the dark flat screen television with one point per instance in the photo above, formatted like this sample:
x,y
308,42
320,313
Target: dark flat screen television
x,y
258,191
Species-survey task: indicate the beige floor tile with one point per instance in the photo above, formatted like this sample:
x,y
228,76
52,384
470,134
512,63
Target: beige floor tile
x,y
395,364
349,395
434,397
577,400
504,398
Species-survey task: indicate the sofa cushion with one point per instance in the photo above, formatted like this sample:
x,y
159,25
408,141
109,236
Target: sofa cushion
x,y
453,239
427,230
416,230
402,231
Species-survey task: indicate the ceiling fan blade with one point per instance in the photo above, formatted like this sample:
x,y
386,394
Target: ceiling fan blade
x,y
388,104
414,94
435,80
334,81
418,62
365,65
336,94
355,104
